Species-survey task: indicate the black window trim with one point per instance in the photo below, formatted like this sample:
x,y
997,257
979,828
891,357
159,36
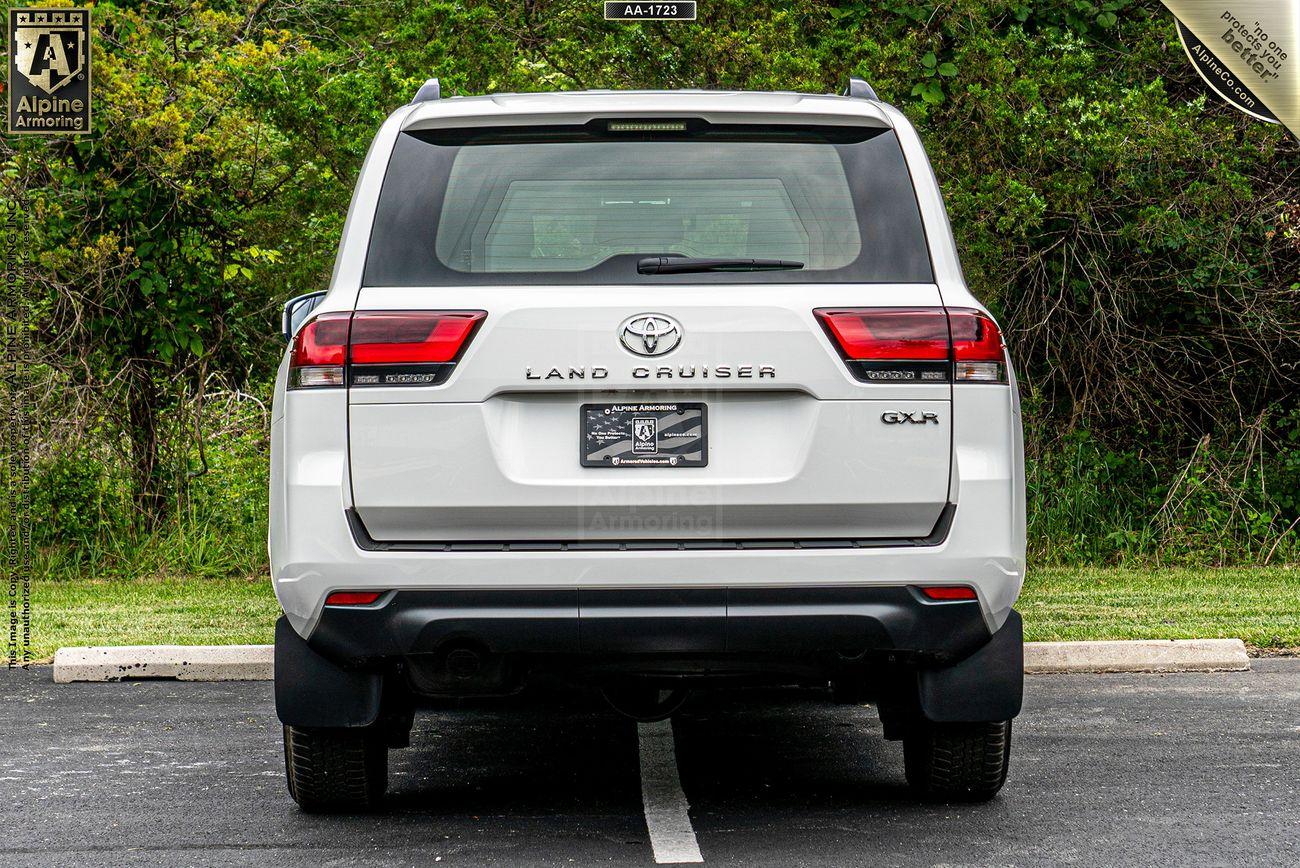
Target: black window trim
x,y
620,270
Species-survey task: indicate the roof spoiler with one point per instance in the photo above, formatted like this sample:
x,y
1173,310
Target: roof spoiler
x,y
857,88
431,90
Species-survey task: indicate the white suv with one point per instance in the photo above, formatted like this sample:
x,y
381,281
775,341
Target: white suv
x,y
645,391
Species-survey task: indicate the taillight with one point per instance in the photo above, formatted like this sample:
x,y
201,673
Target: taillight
x,y
319,352
408,348
889,332
916,345
976,348
381,348
949,592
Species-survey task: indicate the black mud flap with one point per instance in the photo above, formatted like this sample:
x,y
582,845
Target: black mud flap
x,y
986,687
310,691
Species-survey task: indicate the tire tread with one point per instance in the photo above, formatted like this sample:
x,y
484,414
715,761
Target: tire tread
x,y
958,761
335,769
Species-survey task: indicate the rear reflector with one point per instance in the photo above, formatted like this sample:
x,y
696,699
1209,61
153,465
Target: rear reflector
x,y
949,592
352,598
381,348
917,344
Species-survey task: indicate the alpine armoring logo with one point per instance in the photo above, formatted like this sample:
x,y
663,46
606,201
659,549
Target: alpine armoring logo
x,y
49,71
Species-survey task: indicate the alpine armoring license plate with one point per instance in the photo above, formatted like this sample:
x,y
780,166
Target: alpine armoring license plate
x,y
645,435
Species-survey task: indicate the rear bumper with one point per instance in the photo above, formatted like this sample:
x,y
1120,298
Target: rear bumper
x,y
747,622
939,662
314,550
716,584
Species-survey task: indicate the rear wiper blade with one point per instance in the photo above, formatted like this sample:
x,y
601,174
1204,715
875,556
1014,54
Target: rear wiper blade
x,y
689,264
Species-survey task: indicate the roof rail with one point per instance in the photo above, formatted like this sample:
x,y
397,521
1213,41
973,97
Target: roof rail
x,y
857,88
430,90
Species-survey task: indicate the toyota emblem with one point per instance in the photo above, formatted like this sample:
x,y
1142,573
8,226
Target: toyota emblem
x,y
650,334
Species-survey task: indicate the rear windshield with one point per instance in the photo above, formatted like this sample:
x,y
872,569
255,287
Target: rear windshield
x,y
582,205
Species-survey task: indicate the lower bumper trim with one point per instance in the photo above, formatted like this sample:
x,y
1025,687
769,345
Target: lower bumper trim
x,y
782,621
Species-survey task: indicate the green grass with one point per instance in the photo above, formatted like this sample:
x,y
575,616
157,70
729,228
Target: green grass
x,y
1259,605
151,611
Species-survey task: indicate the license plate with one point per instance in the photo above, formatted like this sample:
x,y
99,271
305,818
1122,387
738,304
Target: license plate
x,y
645,435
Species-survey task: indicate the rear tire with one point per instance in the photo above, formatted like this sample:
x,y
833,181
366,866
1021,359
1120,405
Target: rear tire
x,y
951,762
336,769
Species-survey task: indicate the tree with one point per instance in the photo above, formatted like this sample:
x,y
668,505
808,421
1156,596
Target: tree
x,y
150,235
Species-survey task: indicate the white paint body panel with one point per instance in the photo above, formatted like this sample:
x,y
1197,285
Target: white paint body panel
x,y
492,454
781,465
825,464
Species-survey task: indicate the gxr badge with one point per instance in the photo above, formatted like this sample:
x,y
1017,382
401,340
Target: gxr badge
x,y
898,417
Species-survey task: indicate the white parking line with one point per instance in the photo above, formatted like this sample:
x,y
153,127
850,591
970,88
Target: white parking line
x,y
667,813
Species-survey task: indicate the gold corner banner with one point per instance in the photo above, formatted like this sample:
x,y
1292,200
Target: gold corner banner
x,y
1248,52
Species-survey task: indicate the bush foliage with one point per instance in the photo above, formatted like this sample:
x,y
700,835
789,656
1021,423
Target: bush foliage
x,y
1139,241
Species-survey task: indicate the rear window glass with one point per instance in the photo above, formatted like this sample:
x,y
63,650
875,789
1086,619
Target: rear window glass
x,y
580,206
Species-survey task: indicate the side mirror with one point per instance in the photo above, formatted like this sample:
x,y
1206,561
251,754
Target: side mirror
x,y
296,310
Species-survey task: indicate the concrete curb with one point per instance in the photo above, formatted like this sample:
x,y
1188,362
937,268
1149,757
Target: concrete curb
x,y
255,662
180,662
1140,655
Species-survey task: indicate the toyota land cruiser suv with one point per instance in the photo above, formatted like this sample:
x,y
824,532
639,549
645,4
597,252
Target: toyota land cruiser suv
x,y
645,391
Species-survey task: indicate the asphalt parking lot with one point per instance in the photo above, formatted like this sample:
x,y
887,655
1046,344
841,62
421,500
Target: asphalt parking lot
x,y
1106,770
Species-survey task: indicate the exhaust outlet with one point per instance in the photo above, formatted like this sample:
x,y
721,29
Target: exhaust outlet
x,y
645,703
462,663
465,668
